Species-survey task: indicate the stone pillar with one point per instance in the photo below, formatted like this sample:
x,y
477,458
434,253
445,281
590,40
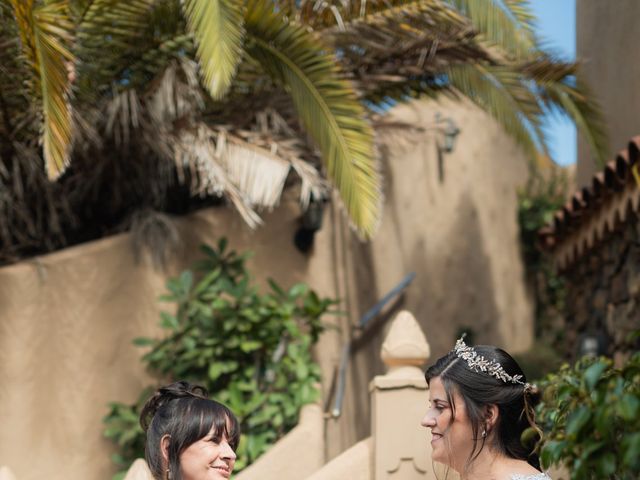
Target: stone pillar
x,y
398,403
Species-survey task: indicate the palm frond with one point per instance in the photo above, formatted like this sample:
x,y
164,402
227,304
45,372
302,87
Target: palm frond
x,y
500,91
155,58
218,29
23,11
45,33
323,14
404,46
560,88
258,173
198,151
109,34
112,21
327,105
521,11
505,25
176,94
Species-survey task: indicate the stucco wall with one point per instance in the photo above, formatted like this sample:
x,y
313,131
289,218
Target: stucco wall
x,y
67,319
607,42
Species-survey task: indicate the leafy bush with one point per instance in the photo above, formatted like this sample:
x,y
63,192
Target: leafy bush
x,y
251,351
590,415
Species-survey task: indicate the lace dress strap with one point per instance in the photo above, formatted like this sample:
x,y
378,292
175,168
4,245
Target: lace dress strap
x,y
538,476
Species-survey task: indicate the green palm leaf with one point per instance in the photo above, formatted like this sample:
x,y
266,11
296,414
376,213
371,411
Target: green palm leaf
x,y
559,89
113,22
51,32
109,32
501,92
45,34
218,29
327,105
522,12
507,25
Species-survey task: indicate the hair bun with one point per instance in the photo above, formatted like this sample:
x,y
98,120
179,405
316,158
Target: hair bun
x,y
166,394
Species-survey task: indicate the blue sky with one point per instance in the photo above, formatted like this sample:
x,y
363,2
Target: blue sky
x,y
557,26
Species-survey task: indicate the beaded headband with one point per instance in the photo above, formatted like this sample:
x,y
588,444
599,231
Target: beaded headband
x,y
479,364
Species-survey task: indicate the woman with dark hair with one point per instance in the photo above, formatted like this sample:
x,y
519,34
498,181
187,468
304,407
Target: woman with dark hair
x,y
189,436
480,404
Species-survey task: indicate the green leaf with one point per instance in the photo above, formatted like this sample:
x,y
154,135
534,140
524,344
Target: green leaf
x,y
298,290
215,370
143,341
168,321
186,280
631,446
528,435
577,420
250,345
275,287
606,465
222,245
207,281
593,374
552,452
629,407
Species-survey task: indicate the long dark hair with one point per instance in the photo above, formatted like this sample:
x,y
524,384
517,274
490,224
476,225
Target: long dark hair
x,y
182,411
515,402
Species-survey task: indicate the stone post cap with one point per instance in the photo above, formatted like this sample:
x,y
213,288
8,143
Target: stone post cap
x,y
139,470
6,474
405,344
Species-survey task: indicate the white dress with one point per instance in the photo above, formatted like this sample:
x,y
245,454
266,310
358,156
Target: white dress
x,y
537,476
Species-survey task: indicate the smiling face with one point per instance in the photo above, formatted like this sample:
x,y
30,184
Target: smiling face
x,y
210,458
451,432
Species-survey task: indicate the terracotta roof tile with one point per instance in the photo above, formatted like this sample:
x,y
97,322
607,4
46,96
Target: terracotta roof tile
x,y
595,211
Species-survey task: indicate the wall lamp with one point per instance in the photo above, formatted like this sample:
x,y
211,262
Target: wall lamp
x,y
450,131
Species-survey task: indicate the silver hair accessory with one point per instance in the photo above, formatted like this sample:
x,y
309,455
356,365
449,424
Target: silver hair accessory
x,y
479,364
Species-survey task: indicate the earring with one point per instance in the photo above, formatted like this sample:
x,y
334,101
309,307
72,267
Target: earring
x,y
168,474
484,433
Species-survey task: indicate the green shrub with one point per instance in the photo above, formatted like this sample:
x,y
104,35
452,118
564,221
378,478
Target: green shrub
x,y
590,415
251,351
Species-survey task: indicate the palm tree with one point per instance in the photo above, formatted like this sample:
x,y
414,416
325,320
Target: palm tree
x,y
124,99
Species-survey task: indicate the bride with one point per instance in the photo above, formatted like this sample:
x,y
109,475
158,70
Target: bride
x,y
480,403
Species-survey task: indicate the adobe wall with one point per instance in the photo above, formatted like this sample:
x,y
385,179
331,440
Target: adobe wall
x,y
67,319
